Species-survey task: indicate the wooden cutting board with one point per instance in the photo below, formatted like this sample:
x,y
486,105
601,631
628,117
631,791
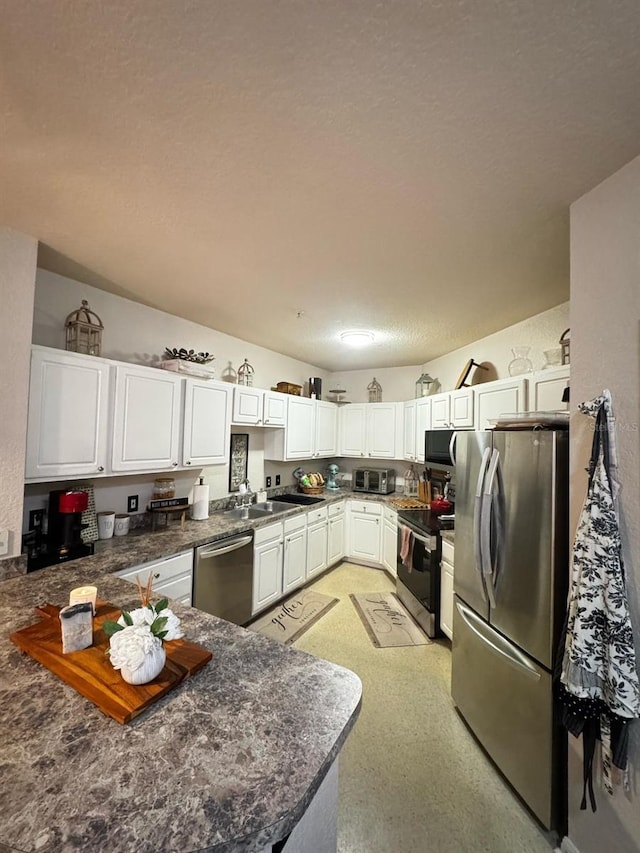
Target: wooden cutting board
x,y
90,672
408,503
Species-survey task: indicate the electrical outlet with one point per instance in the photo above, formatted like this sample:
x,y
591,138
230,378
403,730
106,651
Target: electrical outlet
x,y
132,503
277,479
268,482
4,541
36,519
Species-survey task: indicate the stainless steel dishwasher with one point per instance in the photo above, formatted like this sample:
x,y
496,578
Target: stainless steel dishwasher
x,y
223,578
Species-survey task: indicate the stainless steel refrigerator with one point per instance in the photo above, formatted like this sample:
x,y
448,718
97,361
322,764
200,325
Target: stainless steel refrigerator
x,y
510,583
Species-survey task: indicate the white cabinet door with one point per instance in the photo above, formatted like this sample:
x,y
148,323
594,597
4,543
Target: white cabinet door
x,y
316,548
498,398
381,430
440,411
147,414
390,546
326,435
274,409
353,430
267,574
68,420
446,600
336,541
207,420
295,559
299,440
364,537
409,430
247,405
423,423
546,390
461,408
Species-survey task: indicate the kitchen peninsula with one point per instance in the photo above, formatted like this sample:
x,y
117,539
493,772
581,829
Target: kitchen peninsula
x,y
234,760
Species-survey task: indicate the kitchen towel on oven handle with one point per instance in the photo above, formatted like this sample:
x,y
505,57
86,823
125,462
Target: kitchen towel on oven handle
x,y
406,546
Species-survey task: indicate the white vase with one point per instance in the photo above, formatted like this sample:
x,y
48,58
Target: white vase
x,y
153,665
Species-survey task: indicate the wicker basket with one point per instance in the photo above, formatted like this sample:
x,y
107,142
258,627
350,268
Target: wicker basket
x,y
311,490
289,388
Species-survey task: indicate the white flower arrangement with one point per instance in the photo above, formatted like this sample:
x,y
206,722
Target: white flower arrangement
x,y
140,632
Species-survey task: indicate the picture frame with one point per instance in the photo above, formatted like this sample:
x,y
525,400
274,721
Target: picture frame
x,y
238,460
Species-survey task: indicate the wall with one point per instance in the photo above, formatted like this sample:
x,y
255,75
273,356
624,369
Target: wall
x,y
17,280
541,332
398,383
605,322
137,333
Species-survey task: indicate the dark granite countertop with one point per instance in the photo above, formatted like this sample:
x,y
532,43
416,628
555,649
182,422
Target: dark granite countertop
x,y
227,762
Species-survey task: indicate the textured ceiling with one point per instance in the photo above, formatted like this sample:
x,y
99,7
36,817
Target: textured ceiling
x,y
403,166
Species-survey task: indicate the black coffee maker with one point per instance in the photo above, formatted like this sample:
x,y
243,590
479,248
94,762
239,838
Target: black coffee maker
x,y
64,537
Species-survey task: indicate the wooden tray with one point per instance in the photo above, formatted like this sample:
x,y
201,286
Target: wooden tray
x,y
407,503
90,672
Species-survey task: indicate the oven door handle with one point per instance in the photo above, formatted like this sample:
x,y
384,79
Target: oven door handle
x,y
417,536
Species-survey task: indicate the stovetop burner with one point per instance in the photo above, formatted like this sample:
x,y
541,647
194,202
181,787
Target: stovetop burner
x,y
425,520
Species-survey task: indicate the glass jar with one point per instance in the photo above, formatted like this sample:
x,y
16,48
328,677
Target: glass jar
x,y
410,483
521,362
163,488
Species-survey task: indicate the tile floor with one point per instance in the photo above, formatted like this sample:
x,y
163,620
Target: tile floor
x,y
412,779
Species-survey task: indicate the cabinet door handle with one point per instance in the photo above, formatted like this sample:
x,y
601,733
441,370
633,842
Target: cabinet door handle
x,y
266,420
175,464
157,575
188,462
100,467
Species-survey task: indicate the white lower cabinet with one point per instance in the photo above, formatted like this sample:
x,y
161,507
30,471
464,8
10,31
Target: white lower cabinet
x,y
294,561
317,554
390,540
364,531
336,533
446,589
172,576
268,547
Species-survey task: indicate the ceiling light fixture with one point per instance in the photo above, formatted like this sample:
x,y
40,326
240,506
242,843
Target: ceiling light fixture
x,y
357,338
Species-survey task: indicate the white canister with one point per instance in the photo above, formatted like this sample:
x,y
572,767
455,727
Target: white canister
x,y
106,523
121,526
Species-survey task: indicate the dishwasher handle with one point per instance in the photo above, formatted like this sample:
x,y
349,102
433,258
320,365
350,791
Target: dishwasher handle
x,y
226,547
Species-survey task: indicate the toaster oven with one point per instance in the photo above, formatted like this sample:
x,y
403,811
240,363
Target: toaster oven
x,y
379,481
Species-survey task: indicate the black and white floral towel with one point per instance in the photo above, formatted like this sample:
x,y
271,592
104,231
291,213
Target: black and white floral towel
x,y
599,664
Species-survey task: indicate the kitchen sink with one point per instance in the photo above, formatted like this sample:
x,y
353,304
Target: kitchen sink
x,y
299,499
261,510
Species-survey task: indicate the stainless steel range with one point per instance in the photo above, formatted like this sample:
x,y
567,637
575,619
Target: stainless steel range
x,y
419,554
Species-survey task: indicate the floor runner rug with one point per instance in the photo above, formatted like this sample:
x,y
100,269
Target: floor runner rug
x,y
387,622
293,617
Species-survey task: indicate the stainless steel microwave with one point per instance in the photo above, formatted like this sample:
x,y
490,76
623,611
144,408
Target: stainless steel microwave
x,y
379,481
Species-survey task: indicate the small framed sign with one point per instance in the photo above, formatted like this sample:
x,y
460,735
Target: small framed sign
x,y
238,460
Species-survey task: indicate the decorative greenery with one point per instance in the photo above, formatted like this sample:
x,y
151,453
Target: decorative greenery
x,y
157,624
189,355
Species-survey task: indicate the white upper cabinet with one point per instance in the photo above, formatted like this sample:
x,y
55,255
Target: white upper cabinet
x,y
300,429
207,420
274,409
409,444
372,430
423,423
440,411
147,414
68,427
311,431
353,429
546,389
326,431
505,396
247,405
461,408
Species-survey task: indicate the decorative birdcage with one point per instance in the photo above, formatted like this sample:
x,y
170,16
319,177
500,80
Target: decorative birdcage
x,y
565,343
375,391
84,331
423,385
245,373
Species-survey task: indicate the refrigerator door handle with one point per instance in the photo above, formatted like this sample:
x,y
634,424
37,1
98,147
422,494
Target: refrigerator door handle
x,y
452,447
485,529
477,519
498,644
